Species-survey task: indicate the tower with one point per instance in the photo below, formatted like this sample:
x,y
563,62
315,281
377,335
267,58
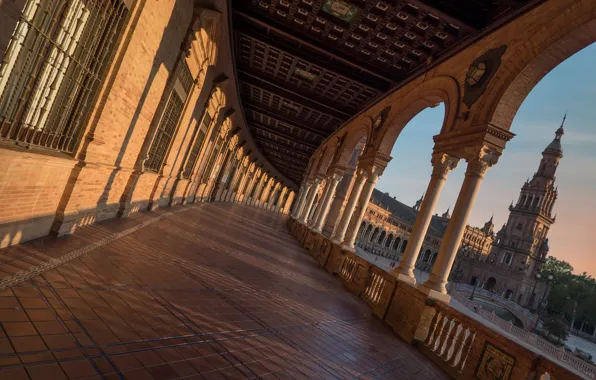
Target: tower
x,y
522,244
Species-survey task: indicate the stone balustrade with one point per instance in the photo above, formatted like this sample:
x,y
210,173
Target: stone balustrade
x,y
461,344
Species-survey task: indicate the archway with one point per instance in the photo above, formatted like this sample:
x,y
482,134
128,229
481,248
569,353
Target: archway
x,y
490,284
396,243
381,237
389,241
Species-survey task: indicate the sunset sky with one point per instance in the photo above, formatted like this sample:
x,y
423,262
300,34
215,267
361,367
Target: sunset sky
x,y
571,87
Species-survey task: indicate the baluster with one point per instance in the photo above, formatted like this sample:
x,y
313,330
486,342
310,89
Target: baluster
x,y
438,338
465,352
434,325
445,337
452,340
458,346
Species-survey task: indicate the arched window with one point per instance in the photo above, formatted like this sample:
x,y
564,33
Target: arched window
x,y
403,246
381,237
508,259
426,256
396,243
490,284
389,241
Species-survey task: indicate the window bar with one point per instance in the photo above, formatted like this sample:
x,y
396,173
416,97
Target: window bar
x,y
31,48
89,48
23,128
53,67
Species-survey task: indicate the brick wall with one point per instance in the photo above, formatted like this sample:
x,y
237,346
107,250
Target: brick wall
x,y
46,191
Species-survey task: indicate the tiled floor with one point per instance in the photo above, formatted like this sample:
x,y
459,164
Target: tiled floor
x,y
211,291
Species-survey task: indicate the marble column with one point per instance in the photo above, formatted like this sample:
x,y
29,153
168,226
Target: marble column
x,y
477,167
332,183
442,165
319,207
310,200
340,232
302,200
337,204
362,205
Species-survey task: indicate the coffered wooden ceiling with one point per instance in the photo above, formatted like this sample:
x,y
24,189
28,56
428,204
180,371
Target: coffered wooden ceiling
x,y
304,67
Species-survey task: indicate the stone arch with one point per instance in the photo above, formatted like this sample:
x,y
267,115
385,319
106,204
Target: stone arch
x,y
362,230
381,237
440,89
389,241
396,243
349,144
374,235
367,232
528,63
490,284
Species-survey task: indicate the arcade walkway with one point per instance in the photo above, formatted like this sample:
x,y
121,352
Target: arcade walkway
x,y
209,291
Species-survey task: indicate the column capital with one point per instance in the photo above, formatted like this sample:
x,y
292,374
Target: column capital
x,y
443,163
373,173
481,160
336,177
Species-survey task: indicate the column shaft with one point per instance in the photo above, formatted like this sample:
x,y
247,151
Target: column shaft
x,y
326,204
436,284
362,205
442,164
310,200
340,233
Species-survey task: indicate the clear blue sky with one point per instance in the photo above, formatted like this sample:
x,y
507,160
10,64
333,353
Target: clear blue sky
x,y
570,87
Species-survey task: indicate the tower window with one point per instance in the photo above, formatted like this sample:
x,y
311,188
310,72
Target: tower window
x,y
512,244
520,226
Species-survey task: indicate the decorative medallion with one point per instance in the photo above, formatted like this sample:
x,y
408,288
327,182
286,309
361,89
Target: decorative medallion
x,y
480,73
495,364
340,9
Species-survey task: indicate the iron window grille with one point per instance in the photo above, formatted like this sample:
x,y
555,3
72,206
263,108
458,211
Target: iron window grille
x,y
166,128
53,68
196,148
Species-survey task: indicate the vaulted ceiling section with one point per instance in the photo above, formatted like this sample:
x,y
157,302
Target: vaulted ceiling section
x,y
304,67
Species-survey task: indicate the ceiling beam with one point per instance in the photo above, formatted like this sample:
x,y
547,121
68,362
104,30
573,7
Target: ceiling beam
x,y
275,153
245,76
315,48
280,134
289,163
290,148
283,119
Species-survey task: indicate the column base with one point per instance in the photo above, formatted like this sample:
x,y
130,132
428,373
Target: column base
x,y
404,278
346,247
431,293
